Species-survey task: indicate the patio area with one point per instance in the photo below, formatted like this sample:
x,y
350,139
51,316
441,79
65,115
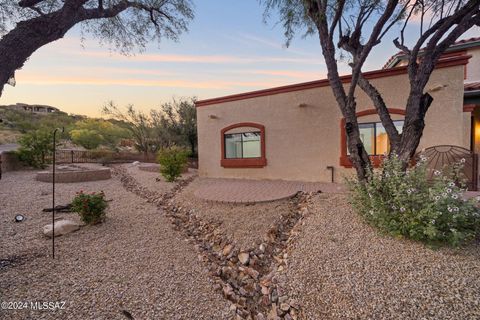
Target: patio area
x,y
255,191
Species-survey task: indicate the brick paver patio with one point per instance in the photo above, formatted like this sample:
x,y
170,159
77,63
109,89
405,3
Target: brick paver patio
x,y
250,191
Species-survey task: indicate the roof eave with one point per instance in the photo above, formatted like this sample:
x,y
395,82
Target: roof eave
x,y
458,47
381,73
472,93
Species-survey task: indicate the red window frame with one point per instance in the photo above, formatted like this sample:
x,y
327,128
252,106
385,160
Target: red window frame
x,y
244,162
344,158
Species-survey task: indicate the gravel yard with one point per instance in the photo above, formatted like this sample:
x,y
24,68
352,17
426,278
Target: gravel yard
x,y
341,268
246,224
337,268
133,262
148,179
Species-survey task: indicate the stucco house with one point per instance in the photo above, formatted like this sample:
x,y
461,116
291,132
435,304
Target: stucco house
x,y
296,132
35,108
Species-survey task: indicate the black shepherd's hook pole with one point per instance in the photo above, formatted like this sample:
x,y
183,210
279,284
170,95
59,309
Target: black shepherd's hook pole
x,y
53,190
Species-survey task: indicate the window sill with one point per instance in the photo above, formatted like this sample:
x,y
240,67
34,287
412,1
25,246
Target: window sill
x,y
244,163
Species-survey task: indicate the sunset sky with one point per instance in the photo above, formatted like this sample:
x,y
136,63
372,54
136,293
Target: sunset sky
x,y
227,50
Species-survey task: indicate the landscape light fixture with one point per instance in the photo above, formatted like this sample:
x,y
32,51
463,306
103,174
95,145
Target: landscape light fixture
x,y
19,218
53,188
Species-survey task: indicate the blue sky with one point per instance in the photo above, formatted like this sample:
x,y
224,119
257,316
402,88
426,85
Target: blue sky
x,y
227,50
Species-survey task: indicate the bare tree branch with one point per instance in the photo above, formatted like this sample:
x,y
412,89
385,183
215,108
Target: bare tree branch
x,y
382,110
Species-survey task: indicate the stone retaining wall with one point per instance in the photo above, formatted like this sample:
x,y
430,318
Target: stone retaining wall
x,y
75,176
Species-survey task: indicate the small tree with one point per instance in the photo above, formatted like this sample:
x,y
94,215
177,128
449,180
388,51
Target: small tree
x,y
35,146
176,123
172,162
138,123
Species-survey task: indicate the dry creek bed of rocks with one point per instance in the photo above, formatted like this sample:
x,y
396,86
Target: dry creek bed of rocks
x,y
251,278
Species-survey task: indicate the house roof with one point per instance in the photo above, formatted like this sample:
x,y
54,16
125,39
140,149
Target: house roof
x,y
472,86
443,63
457,46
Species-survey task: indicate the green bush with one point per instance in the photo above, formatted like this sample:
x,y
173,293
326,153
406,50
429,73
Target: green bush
x,y
35,147
172,162
90,206
406,204
89,139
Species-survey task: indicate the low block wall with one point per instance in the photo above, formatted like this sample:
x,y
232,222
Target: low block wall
x,y
75,176
9,161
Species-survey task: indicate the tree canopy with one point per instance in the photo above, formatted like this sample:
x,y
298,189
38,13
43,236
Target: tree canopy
x,y
174,124
124,25
91,133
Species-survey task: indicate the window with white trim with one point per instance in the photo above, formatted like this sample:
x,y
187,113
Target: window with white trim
x,y
243,145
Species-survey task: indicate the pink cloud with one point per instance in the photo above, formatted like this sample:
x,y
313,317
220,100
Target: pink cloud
x,y
185,58
63,80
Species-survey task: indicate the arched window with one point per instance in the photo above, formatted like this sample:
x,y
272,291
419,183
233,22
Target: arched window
x,y
243,146
373,135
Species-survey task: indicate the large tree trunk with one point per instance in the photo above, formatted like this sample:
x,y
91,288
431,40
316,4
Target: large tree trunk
x,y
418,105
28,36
358,154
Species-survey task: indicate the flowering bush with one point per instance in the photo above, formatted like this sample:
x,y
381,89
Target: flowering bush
x,y
408,204
90,206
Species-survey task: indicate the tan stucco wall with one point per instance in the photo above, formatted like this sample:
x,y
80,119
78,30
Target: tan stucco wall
x,y
302,141
473,67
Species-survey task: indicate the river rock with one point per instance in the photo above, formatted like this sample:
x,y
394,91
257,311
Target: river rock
x,y
243,257
227,249
61,227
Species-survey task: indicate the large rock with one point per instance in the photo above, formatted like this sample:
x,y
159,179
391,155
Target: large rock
x,y
61,227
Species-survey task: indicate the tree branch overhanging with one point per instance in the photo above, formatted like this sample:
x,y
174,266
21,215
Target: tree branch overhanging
x,y
162,18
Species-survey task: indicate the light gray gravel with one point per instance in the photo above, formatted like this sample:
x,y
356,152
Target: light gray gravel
x,y
134,261
341,268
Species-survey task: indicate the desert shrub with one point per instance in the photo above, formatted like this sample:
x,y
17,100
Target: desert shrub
x,y
90,206
407,204
89,139
172,162
35,147
91,133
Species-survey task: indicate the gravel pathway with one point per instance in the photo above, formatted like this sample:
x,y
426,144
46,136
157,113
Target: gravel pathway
x,y
246,224
133,262
340,268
